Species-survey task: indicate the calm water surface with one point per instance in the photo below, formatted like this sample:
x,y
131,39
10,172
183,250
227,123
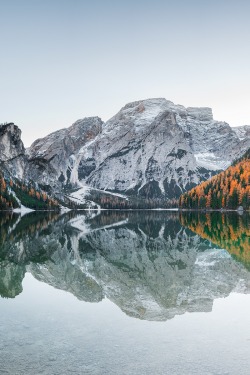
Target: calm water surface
x,y
125,293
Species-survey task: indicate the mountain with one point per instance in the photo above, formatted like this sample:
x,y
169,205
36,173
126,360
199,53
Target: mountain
x,y
229,189
150,149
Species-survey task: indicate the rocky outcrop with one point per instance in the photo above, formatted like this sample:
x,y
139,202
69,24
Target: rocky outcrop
x,y
11,145
54,160
12,151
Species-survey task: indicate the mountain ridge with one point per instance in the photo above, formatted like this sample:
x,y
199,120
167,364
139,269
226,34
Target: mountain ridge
x,y
151,148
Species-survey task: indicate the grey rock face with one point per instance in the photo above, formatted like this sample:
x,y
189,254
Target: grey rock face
x,y
54,160
243,133
12,151
11,145
143,143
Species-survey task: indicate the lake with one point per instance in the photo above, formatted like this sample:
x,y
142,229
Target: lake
x,y
125,292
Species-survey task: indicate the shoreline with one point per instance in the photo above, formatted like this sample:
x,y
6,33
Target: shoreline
x,y
174,209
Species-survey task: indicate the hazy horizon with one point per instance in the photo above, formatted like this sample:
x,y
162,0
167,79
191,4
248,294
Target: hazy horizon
x,y
65,60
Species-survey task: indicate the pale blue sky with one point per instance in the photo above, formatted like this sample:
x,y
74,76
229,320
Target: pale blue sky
x,y
62,60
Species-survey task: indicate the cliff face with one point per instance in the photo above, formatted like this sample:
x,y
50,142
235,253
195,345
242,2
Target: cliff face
x,y
54,160
11,145
150,148
12,151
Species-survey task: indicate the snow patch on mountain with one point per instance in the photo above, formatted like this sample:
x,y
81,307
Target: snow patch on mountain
x,y
210,161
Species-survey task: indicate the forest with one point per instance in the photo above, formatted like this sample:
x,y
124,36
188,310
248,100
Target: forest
x,y
12,192
227,190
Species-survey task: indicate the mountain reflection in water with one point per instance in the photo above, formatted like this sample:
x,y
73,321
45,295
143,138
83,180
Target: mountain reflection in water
x,y
153,265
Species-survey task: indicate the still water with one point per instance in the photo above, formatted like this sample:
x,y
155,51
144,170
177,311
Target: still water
x,y
125,293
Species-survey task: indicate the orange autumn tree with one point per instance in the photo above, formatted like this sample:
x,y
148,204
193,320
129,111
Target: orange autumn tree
x,y
13,191
7,200
229,189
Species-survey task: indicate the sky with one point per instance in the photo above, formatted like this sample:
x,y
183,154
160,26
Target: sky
x,y
62,60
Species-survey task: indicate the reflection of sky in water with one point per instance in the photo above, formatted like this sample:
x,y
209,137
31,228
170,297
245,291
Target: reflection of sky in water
x,y
50,331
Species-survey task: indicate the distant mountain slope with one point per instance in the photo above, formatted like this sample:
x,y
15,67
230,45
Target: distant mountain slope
x,y
54,161
229,189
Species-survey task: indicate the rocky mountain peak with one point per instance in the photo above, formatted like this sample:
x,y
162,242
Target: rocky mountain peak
x,y
54,160
92,124
142,111
75,136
